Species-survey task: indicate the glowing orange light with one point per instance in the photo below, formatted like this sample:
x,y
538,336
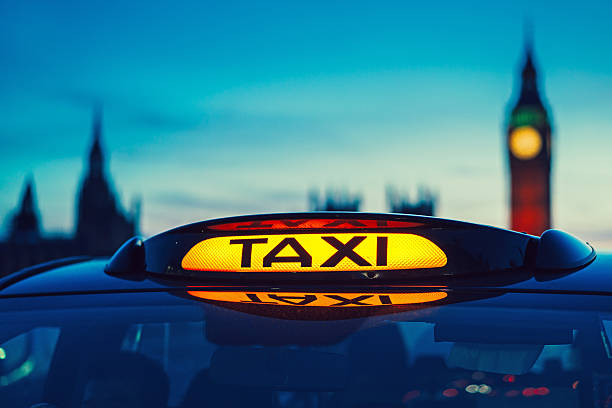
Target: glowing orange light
x,y
318,223
320,299
575,384
525,142
314,253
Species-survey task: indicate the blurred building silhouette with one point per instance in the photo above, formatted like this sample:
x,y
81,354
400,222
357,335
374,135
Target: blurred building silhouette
x,y
337,200
101,224
25,226
529,154
333,200
424,204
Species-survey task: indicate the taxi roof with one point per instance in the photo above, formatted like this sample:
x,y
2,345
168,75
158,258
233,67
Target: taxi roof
x,y
87,276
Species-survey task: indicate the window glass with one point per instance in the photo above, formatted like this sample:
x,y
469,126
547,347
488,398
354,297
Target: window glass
x,y
162,350
24,364
180,348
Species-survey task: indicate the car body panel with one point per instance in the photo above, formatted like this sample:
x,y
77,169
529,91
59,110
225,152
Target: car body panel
x,y
89,276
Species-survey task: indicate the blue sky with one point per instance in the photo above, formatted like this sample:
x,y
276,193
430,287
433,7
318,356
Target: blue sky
x,y
214,109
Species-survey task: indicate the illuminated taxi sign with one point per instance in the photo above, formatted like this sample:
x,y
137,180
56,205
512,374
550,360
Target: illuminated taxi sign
x,y
335,300
314,253
339,247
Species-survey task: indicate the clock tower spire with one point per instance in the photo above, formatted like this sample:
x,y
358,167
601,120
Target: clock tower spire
x,y
529,154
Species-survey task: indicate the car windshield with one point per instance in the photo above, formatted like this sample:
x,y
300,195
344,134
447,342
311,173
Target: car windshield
x,y
170,349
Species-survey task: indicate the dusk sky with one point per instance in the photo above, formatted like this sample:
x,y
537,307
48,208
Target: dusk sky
x,y
225,108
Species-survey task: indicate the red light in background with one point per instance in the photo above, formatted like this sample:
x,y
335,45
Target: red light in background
x,y
575,384
541,391
529,392
450,392
509,378
410,395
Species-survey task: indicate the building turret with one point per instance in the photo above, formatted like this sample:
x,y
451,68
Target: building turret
x,y
25,225
96,157
101,225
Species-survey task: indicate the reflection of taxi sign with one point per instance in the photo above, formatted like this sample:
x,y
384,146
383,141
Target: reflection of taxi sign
x,y
313,223
320,299
314,252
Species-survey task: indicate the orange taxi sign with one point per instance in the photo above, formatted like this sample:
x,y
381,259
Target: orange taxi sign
x,y
314,252
320,299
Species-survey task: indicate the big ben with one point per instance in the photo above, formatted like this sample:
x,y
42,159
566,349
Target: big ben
x,y
529,154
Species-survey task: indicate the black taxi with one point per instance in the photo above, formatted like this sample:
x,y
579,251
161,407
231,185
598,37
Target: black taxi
x,y
314,310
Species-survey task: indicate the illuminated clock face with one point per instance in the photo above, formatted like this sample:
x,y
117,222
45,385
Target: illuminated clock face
x,y
525,142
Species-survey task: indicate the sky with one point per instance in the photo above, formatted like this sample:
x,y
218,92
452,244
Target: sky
x,y
224,108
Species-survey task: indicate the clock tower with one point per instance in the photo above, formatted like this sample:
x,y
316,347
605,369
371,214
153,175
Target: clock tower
x,y
529,153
